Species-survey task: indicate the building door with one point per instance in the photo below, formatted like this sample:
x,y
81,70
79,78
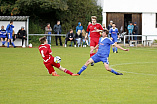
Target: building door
x,y
127,20
122,20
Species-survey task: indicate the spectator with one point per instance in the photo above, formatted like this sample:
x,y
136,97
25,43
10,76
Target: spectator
x,y
57,30
83,38
3,35
22,35
130,30
109,27
9,30
89,34
135,31
48,30
70,37
103,26
79,29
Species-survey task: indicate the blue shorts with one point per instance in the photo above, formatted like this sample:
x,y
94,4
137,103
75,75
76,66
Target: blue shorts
x,y
97,58
114,38
3,36
10,36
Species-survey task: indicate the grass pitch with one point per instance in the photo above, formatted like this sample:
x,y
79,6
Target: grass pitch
x,y
25,80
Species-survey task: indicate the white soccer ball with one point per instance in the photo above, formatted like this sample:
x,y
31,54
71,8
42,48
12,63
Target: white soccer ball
x,y
57,59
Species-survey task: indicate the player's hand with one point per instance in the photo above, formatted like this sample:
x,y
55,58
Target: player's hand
x,y
91,51
111,38
126,49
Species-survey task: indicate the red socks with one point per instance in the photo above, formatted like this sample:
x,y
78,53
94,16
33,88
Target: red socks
x,y
92,54
68,72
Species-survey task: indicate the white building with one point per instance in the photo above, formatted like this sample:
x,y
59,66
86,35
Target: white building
x,y
144,12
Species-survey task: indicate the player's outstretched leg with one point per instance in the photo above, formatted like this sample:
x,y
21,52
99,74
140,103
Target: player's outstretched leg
x,y
67,71
84,67
111,70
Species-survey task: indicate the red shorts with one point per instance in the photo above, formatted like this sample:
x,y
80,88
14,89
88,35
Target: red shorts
x,y
50,65
94,41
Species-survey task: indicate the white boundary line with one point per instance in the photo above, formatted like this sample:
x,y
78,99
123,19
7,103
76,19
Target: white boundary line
x,y
133,72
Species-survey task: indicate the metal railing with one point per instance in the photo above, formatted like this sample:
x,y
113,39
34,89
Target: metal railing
x,y
146,37
43,35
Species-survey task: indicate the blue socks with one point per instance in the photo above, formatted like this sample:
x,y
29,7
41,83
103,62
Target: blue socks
x,y
112,71
82,69
13,44
113,49
116,49
3,42
8,44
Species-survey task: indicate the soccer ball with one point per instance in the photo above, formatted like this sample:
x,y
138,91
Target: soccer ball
x,y
57,59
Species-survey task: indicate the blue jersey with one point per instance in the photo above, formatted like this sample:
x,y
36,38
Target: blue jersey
x,y
3,33
9,28
113,32
104,47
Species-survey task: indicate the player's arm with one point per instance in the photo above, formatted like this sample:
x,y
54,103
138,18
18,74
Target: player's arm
x,y
94,48
116,45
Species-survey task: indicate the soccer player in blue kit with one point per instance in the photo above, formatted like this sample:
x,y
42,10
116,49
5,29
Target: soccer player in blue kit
x,y
103,53
113,31
9,30
3,35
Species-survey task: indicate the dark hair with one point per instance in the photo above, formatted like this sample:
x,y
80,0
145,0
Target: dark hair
x,y
42,39
48,23
11,21
58,21
113,23
105,30
71,29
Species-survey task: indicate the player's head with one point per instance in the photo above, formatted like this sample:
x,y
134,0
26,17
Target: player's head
x,y
105,33
93,18
11,22
113,25
43,40
2,27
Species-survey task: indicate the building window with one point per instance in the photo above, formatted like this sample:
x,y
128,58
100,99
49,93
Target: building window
x,y
156,20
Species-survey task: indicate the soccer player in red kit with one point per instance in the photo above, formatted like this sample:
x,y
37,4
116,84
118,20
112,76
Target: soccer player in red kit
x,y
94,29
46,52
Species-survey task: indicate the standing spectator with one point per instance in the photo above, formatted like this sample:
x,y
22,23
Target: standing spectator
x,y
79,29
135,31
57,30
9,30
70,37
109,27
48,30
3,35
130,30
103,26
22,35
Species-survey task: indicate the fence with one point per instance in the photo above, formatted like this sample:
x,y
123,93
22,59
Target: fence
x,y
143,40
43,35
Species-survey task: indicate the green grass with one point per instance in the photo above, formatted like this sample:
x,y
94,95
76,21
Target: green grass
x,y
25,80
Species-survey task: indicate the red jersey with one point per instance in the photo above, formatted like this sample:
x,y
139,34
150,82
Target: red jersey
x,y
45,52
92,29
